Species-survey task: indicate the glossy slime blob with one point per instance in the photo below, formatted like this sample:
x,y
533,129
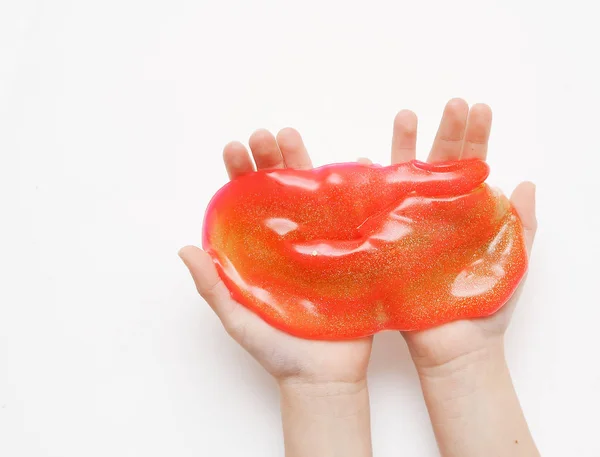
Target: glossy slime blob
x,y
347,250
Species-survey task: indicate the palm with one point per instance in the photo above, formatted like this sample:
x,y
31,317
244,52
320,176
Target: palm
x,y
283,355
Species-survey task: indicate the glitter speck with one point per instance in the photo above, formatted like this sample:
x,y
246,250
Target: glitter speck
x,y
314,253
380,315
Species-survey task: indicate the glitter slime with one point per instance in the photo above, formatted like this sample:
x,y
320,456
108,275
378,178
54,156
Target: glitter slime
x,y
347,250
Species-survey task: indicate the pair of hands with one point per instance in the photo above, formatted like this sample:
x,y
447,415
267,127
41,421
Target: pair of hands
x,y
463,133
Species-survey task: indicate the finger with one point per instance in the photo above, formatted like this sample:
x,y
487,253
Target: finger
x,y
265,150
293,150
404,138
364,161
449,138
479,125
237,160
523,200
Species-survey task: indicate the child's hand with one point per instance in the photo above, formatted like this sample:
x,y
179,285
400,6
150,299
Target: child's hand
x,y
324,397
287,358
462,134
467,387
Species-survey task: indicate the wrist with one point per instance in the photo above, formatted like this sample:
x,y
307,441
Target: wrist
x,y
481,372
335,399
476,360
453,347
325,419
473,406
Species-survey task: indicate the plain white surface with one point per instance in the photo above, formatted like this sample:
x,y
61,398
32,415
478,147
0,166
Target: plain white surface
x,y
112,119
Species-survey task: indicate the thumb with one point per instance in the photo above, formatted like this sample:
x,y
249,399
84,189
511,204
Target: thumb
x,y
209,285
242,324
523,200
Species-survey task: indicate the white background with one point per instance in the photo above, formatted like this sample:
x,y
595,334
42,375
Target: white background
x,y
112,119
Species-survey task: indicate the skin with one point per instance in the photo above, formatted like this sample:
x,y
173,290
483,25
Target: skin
x,y
324,397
